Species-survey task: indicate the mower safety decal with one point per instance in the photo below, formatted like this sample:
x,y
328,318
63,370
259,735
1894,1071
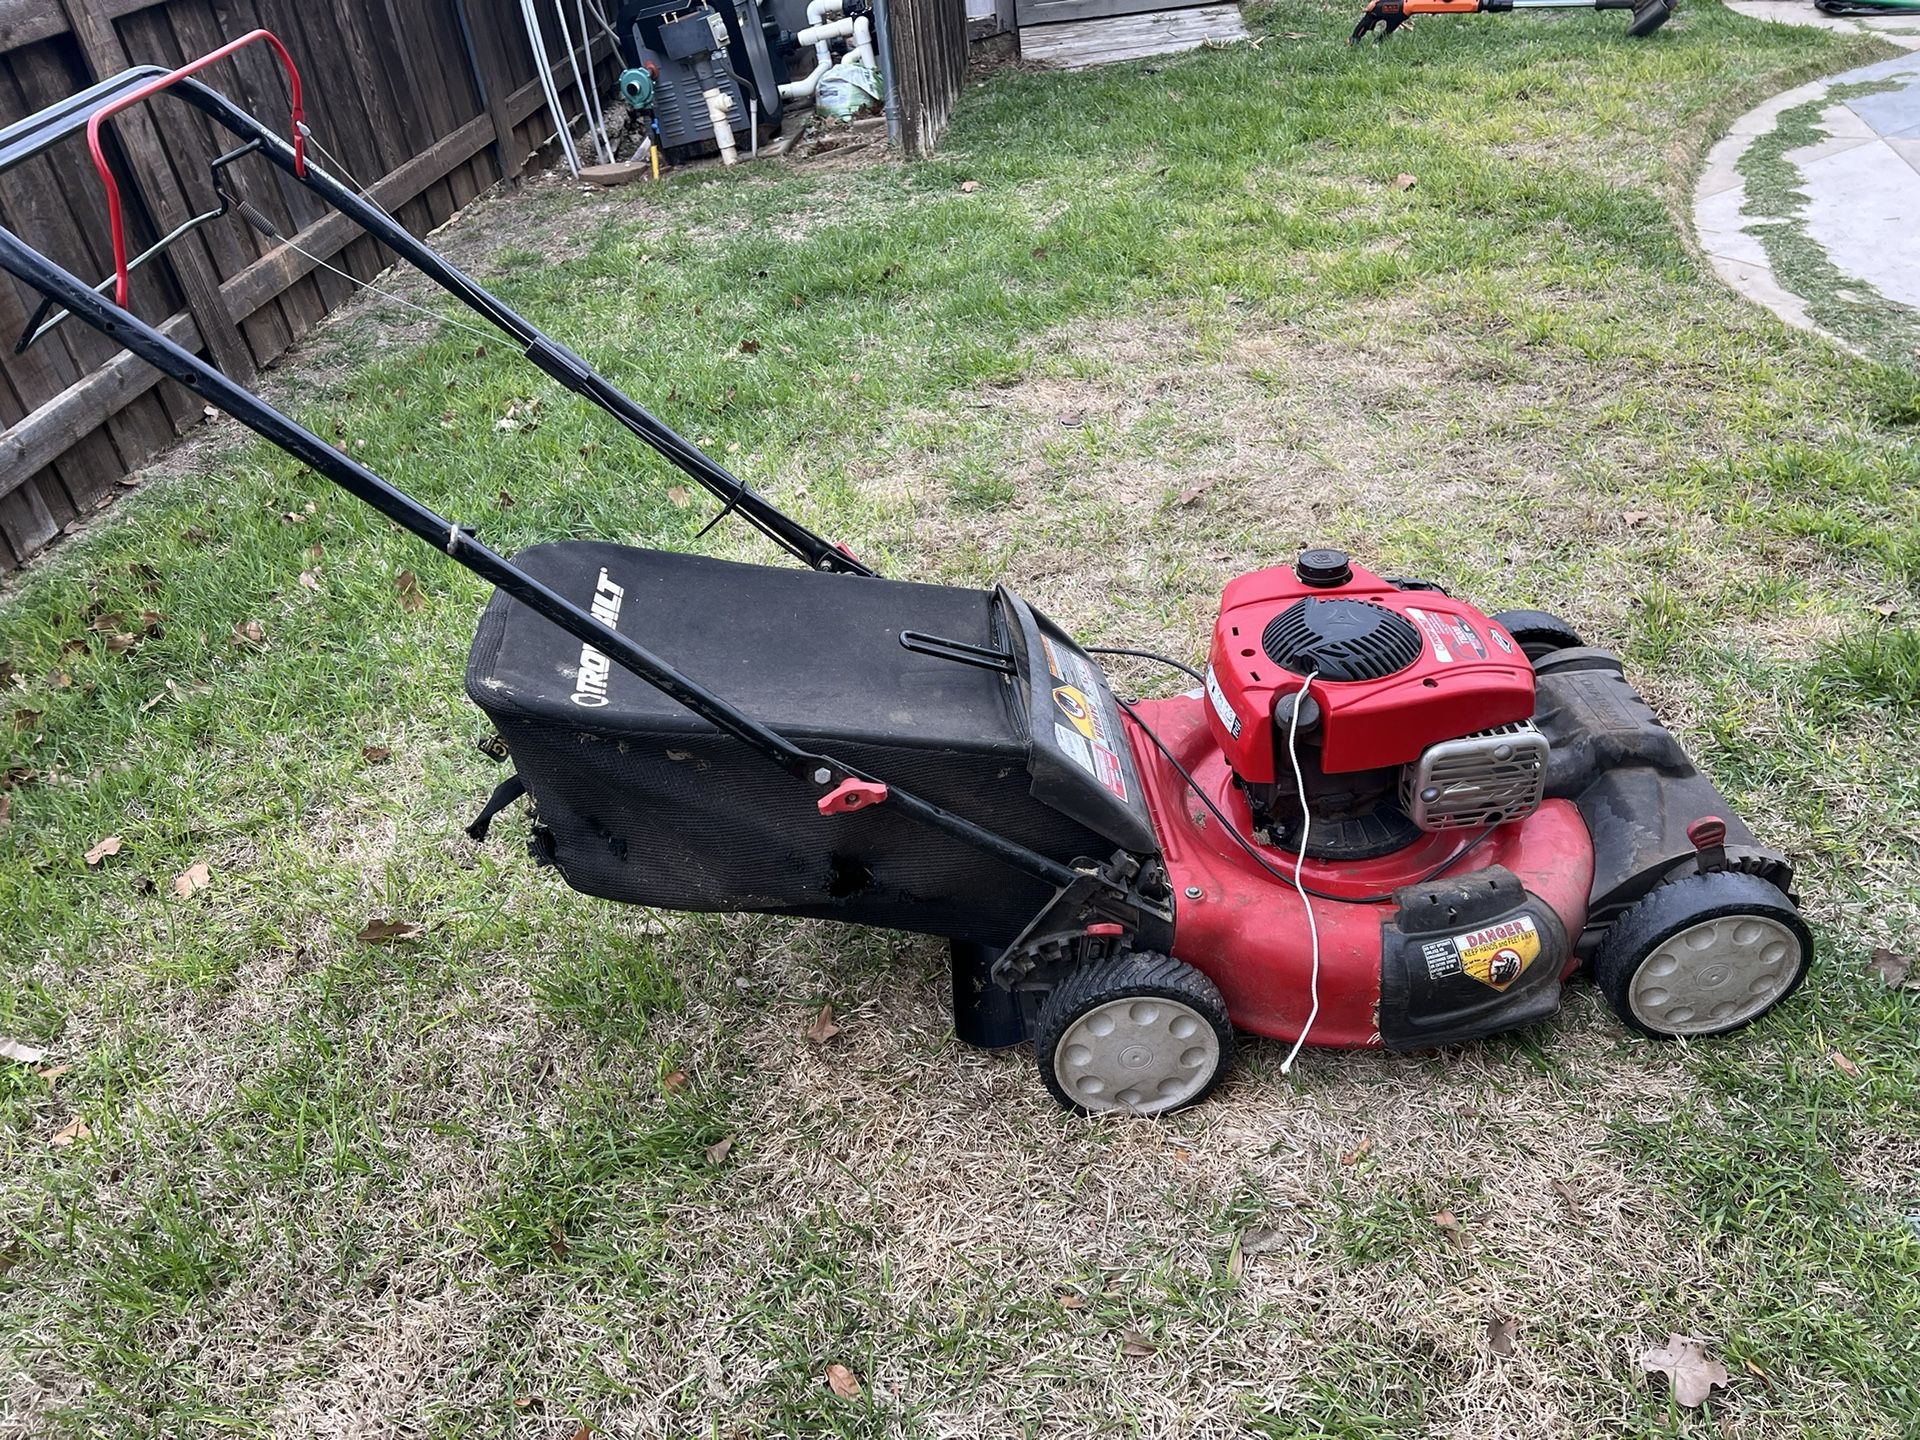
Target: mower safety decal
x,y
1074,706
1496,956
1449,635
1222,707
1095,739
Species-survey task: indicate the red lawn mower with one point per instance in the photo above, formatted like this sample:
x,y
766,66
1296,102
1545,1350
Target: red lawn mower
x,y
1379,817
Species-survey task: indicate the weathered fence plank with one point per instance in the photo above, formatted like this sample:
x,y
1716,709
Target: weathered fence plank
x,y
393,95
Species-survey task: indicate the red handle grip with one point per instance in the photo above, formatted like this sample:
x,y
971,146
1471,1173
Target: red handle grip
x,y
107,112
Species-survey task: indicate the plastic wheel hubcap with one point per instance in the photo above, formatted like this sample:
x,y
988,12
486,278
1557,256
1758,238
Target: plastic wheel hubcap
x,y
1714,975
1141,1054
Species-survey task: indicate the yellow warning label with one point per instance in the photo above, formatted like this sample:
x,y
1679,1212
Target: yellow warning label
x,y
1074,706
1499,954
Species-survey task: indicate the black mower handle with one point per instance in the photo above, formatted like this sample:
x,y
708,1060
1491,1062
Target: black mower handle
x,y
829,778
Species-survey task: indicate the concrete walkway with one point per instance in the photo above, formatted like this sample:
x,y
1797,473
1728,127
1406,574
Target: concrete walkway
x,y
1860,184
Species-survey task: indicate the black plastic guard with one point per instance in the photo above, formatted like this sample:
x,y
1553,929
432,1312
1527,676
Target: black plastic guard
x,y
1468,957
1636,787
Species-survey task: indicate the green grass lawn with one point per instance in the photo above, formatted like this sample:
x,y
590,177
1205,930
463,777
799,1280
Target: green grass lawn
x,y
473,1184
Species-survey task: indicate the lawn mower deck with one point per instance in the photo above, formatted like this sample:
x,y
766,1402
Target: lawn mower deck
x,y
1379,817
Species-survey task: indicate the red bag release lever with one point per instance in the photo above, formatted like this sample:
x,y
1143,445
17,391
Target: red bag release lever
x,y
154,87
851,795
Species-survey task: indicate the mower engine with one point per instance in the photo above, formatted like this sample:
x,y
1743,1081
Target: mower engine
x,y
1406,710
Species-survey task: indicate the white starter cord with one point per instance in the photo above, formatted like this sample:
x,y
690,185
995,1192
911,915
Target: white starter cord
x,y
1300,860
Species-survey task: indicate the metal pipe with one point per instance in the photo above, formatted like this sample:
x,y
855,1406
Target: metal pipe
x,y
573,64
537,38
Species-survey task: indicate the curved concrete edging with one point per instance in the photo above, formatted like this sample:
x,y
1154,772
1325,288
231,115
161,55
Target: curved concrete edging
x,y
1860,179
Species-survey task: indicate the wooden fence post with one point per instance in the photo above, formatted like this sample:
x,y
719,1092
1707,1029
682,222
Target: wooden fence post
x,y
107,57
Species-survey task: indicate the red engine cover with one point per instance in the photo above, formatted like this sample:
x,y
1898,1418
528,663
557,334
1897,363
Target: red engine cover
x,y
1470,676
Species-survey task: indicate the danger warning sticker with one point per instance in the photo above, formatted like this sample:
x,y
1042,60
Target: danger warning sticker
x,y
1449,636
1499,954
1090,736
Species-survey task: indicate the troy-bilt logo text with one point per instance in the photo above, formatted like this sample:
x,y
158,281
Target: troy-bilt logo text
x,y
590,686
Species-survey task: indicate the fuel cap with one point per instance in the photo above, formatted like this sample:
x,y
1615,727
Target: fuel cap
x,y
1323,569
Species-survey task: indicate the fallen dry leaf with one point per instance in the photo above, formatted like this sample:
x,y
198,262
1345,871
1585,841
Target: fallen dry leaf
x,y
842,1382
120,642
381,931
823,1029
246,633
375,754
20,1051
1568,1198
108,846
1895,971
1261,1240
1500,1335
1236,1260
6,810
1845,1066
1404,181
1449,1225
719,1150
1136,1346
192,880
1359,1152
74,1129
1684,1361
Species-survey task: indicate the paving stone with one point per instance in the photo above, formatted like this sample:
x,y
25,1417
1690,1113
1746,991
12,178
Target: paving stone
x,y
1863,209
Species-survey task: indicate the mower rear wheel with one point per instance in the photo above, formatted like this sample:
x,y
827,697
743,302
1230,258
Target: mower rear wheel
x,y
1141,1035
1703,955
1537,633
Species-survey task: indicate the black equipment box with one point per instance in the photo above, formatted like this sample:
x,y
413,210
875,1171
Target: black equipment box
x,y
642,801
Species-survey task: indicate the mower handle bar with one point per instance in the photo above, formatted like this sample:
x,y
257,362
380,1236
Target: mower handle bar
x,y
39,132
296,127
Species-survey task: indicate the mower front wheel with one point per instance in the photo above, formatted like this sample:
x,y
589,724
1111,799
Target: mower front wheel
x,y
1703,955
1142,1035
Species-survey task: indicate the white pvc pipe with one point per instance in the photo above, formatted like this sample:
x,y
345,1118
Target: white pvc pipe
x,y
820,34
861,51
719,104
537,38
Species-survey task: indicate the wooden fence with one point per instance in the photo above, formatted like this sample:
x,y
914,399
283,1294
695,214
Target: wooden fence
x,y
927,42
431,111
